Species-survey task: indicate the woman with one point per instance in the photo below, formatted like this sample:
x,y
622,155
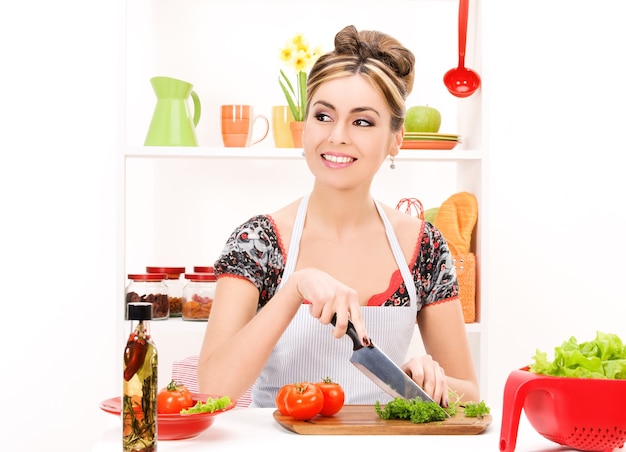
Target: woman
x,y
282,277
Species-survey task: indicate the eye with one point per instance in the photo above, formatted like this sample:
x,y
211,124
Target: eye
x,y
363,123
323,117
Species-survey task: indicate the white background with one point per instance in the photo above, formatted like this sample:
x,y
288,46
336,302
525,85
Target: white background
x,y
554,96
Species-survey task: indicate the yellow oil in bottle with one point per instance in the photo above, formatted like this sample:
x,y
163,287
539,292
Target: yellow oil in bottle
x,y
140,385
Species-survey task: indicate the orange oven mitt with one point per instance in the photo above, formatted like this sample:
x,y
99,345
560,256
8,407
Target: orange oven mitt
x,y
456,219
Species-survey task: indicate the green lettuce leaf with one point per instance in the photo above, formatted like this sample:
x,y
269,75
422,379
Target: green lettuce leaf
x,y
604,357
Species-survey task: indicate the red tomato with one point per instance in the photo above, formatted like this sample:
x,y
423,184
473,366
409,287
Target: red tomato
x,y
173,398
333,397
304,401
280,399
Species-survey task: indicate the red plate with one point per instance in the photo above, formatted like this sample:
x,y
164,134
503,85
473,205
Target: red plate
x,y
175,426
429,144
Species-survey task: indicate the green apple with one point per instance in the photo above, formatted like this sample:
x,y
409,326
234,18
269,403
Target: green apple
x,y
422,118
431,214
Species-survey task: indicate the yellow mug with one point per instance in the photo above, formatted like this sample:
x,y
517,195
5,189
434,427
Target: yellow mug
x,y
281,117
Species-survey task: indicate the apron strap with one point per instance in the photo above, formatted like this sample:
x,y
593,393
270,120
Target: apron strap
x,y
397,253
294,244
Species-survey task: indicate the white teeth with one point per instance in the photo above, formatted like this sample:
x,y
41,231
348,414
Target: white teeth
x,y
337,158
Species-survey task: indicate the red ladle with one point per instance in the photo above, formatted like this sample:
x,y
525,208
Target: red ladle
x,y
462,82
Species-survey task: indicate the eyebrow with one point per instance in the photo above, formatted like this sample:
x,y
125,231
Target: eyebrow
x,y
354,110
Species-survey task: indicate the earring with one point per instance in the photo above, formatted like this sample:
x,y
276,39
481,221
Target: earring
x,y
393,163
303,154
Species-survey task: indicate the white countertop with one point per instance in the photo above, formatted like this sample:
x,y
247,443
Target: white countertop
x,y
254,429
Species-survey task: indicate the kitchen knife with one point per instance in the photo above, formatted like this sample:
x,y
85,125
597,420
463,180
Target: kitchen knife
x,y
379,368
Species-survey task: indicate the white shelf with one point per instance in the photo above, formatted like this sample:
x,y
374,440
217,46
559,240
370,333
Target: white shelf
x,y
284,153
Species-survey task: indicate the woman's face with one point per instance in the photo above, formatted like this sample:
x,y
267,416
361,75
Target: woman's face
x,y
347,134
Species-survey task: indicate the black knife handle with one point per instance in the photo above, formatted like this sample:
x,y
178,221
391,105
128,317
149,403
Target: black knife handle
x,y
351,332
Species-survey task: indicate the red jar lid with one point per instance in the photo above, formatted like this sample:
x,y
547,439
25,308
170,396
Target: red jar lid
x,y
147,276
201,276
203,270
171,272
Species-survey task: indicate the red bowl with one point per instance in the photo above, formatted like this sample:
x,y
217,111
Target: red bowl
x,y
175,426
582,413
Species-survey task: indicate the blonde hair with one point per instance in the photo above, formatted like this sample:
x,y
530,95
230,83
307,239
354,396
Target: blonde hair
x,y
380,58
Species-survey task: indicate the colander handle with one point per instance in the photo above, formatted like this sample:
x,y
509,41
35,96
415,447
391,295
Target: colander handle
x,y
518,385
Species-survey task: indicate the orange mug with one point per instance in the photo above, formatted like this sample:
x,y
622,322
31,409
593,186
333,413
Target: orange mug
x,y
238,125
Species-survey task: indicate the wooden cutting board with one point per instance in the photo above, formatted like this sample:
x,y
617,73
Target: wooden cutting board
x,y
363,420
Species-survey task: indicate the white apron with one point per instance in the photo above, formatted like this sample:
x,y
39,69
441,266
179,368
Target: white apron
x,y
307,350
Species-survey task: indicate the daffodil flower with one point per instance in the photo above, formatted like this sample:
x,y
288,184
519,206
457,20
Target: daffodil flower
x,y
298,56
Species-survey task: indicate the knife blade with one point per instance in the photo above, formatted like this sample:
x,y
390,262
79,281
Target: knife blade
x,y
379,368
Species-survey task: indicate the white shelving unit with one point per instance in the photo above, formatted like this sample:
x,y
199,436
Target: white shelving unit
x,y
177,206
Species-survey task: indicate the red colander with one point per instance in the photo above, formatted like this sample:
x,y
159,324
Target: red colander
x,y
586,414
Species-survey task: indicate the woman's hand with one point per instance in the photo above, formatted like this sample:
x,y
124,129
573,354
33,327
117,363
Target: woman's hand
x,y
328,297
427,373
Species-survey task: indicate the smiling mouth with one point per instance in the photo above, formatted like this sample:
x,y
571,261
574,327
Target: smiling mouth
x,y
337,158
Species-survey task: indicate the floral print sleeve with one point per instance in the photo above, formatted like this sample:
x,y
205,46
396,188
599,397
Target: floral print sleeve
x,y
254,252
433,271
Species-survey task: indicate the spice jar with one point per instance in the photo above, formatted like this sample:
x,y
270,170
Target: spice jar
x,y
198,295
175,285
151,288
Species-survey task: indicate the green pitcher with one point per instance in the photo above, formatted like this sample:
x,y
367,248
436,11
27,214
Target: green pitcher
x,y
171,124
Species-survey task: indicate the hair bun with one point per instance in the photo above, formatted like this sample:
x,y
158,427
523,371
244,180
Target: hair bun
x,y
368,44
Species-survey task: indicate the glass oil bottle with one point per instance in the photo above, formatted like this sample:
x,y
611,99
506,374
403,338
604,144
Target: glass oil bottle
x,y
140,386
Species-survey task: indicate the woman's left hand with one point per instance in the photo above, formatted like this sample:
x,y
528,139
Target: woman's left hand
x,y
430,376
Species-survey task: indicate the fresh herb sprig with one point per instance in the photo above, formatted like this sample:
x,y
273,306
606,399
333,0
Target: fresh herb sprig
x,y
420,411
415,410
473,409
